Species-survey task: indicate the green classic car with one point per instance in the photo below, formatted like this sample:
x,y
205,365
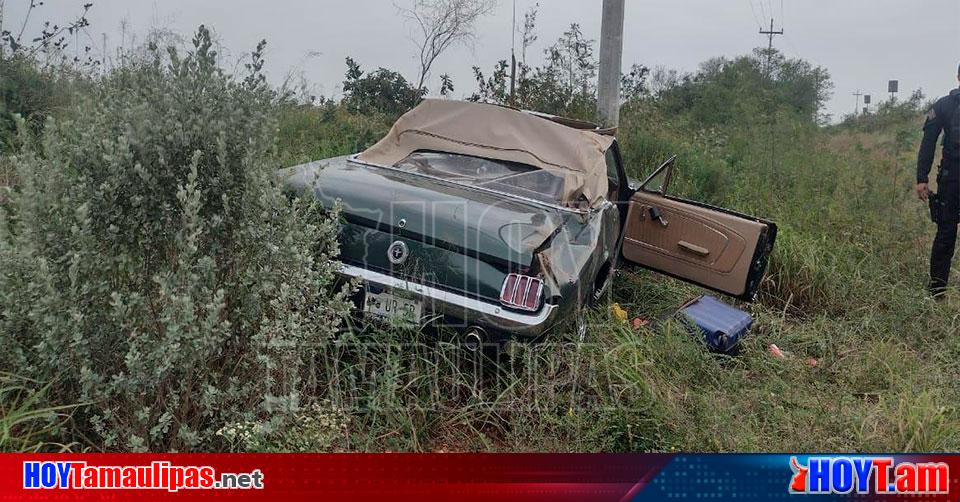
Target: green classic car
x,y
501,223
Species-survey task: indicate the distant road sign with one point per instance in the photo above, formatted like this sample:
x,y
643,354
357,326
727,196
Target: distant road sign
x,y
893,86
866,99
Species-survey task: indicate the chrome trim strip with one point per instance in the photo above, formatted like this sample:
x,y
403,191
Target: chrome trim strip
x,y
355,159
490,312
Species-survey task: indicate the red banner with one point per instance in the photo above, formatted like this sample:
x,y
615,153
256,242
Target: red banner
x,y
332,477
506,477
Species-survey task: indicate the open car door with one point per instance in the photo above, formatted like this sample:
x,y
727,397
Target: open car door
x,y
712,247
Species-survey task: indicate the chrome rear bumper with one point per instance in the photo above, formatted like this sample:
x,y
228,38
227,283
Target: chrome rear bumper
x,y
471,311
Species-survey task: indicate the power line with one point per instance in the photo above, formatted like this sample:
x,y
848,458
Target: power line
x,y
790,42
754,11
792,45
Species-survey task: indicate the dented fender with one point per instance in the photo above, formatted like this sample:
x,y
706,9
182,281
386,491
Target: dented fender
x,y
572,260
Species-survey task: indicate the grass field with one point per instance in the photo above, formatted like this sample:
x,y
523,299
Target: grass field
x,y
846,288
870,362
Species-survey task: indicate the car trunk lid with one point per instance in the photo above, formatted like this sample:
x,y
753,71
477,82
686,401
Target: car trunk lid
x,y
494,228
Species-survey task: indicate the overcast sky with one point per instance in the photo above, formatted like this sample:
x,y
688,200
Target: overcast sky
x,y
863,43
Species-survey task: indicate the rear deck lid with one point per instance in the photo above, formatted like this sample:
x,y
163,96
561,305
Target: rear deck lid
x,y
492,227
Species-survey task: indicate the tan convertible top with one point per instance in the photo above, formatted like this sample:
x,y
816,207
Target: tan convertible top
x,y
500,133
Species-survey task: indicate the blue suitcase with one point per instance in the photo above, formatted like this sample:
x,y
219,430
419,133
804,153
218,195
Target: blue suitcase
x,y
721,325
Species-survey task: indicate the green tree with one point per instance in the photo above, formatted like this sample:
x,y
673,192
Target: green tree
x,y
731,91
563,86
151,264
633,84
446,85
383,91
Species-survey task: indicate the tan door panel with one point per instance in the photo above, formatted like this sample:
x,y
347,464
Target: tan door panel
x,y
706,246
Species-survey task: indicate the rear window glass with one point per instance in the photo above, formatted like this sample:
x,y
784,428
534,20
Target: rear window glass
x,y
503,176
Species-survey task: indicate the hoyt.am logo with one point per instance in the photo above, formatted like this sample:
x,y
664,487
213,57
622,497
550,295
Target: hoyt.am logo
x,y
868,475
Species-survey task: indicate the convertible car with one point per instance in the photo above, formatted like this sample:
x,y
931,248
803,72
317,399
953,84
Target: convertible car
x,y
501,223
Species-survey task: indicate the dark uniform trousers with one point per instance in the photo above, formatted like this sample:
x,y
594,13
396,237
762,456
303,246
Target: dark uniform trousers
x,y
945,242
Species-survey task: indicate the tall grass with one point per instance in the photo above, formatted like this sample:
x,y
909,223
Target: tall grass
x,y
6,177
870,365
26,423
845,288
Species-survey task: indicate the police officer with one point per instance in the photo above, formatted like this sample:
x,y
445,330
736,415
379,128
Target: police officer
x,y
944,118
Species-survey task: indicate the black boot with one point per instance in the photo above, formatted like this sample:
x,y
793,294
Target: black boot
x,y
937,289
940,258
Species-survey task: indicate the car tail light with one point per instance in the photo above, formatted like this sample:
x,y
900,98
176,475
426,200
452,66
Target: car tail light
x,y
521,292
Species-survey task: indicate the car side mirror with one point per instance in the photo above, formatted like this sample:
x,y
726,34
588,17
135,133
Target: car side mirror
x,y
665,171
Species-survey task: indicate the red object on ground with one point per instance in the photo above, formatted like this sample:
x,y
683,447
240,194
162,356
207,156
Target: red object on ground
x,y
777,352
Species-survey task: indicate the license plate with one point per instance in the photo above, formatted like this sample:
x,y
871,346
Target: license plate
x,y
392,307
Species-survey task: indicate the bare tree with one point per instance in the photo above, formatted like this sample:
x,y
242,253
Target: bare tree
x,y
529,29
52,37
441,24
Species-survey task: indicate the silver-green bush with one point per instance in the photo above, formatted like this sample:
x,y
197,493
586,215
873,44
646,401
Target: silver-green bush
x,y
151,265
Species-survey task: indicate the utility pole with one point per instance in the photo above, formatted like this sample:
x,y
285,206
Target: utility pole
x,y
857,108
771,34
611,63
2,42
513,58
771,113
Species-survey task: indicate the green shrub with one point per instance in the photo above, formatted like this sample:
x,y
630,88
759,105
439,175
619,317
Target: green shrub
x,y
746,88
25,91
317,428
150,258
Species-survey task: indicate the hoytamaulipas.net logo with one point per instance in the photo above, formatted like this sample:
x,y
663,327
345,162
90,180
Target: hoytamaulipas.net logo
x,y
868,475
158,475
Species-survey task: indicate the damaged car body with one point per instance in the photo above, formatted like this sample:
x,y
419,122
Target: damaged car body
x,y
501,223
